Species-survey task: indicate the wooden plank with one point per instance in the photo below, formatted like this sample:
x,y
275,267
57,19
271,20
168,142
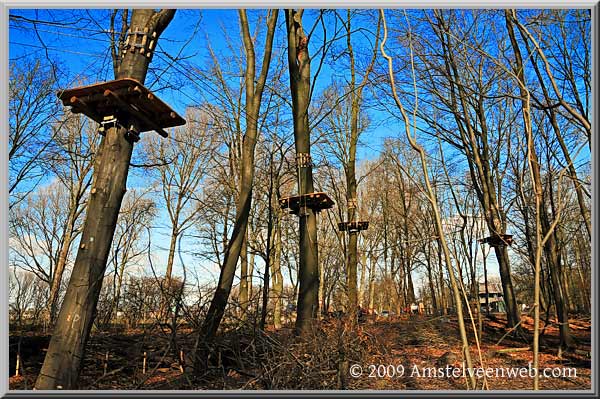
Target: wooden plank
x,y
135,112
125,89
356,226
316,201
83,107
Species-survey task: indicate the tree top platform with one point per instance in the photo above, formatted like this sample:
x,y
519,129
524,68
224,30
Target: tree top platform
x,y
498,240
122,99
353,226
315,201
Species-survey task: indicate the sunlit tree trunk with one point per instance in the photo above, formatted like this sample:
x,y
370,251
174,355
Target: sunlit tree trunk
x,y
62,363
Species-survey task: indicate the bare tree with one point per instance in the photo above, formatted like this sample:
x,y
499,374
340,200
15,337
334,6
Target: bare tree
x,y
34,120
71,162
300,86
137,212
183,162
434,205
545,228
347,124
254,87
27,297
62,363
42,231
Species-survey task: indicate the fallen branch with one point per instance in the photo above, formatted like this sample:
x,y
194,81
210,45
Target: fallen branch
x,y
509,331
511,350
108,375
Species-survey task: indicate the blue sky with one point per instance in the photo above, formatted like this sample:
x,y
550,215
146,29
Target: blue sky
x,y
80,46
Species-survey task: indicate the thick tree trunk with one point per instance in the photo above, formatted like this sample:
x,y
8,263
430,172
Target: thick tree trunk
x,y
371,296
410,287
308,273
512,313
62,363
352,268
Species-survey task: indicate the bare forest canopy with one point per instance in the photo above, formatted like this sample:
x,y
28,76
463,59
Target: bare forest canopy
x,y
346,180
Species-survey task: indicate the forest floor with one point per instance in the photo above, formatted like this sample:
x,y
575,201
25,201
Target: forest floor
x,y
412,346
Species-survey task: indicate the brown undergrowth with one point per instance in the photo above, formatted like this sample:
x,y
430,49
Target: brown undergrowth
x,y
246,358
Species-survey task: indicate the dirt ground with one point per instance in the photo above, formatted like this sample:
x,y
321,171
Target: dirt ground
x,y
410,353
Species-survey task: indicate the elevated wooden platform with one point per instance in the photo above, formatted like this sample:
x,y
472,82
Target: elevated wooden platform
x,y
315,201
353,226
498,240
123,99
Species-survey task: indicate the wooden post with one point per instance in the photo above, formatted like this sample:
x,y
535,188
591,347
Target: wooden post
x,y
18,364
181,361
105,363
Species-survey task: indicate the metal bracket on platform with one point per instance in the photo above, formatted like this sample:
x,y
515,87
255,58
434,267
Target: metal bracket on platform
x,y
107,123
111,121
133,133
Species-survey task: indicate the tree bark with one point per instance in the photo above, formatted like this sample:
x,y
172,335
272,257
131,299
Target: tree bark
x,y
308,273
63,360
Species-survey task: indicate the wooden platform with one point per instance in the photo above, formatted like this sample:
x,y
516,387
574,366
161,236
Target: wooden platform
x,y
353,226
123,99
315,201
498,240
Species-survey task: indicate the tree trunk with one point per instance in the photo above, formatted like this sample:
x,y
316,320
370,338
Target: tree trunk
x,y
544,227
363,277
254,91
430,279
512,311
62,363
251,264
443,300
171,257
167,288
308,273
371,297
243,298
277,275
60,266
